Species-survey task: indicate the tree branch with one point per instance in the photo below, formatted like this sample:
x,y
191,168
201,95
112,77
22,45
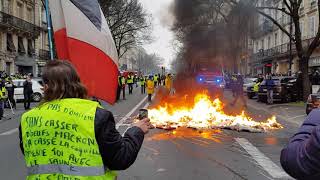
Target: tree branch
x,y
278,9
276,23
288,6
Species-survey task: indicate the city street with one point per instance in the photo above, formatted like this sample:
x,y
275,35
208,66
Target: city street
x,y
184,153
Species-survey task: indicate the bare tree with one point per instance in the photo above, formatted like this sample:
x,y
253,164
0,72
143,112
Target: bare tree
x,y
148,63
304,50
129,23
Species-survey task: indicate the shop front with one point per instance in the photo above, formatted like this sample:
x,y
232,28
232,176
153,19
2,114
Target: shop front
x,y
25,64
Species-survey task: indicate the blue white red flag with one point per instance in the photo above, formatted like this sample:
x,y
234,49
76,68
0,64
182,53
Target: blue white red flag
x,y
82,36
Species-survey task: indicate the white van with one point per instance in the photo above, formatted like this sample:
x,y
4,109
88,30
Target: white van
x,y
36,87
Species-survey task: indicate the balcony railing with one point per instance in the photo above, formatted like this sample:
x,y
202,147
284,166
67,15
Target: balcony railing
x,y
10,21
267,26
278,51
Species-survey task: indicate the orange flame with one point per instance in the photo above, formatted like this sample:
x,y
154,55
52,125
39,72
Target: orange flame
x,y
206,114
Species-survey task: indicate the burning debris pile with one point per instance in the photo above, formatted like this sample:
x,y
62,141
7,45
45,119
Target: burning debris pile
x,y
206,114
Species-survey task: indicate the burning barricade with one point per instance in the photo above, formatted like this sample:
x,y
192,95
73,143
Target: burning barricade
x,y
206,114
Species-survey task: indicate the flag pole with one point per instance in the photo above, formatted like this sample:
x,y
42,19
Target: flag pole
x,y
49,29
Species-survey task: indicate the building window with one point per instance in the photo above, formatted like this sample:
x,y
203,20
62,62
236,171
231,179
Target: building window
x,y
29,15
311,26
30,47
10,44
262,44
20,10
302,29
276,39
269,42
257,46
21,48
44,16
7,6
8,68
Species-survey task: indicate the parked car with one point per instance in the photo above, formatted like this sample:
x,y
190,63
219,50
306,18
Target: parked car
x,y
285,89
313,102
36,87
248,82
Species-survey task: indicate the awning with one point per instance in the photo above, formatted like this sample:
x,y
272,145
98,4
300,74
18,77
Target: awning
x,y
24,61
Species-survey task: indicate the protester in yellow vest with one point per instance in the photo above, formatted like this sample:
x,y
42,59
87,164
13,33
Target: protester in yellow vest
x,y
3,97
256,87
143,84
155,79
70,137
168,82
150,88
130,81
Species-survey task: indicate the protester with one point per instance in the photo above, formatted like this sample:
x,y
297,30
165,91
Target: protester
x,y
123,84
270,85
163,77
3,96
155,79
27,92
84,143
150,87
233,85
238,90
168,83
159,79
143,84
119,87
130,82
136,80
301,159
10,89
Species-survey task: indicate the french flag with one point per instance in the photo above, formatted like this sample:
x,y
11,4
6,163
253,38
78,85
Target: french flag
x,y
82,36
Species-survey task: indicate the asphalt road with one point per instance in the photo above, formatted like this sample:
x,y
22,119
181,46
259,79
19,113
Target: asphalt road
x,y
183,154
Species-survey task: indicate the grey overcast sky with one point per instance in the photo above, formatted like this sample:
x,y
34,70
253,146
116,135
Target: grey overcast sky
x,y
163,37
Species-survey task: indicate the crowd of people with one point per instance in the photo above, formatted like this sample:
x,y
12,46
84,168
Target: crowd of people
x,y
7,91
237,85
147,83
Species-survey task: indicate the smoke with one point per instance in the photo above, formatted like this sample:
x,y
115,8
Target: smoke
x,y
213,32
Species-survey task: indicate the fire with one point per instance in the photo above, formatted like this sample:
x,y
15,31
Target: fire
x,y
206,114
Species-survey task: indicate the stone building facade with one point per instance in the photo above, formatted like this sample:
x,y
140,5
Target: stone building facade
x,y
271,46
23,36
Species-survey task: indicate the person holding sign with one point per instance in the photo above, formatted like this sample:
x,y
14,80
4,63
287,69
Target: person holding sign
x,y
70,137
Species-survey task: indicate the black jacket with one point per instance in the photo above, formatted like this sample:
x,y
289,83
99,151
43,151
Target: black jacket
x,y
118,153
27,87
10,88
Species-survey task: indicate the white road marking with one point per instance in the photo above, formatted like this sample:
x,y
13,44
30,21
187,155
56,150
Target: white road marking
x,y
12,131
269,166
130,113
129,125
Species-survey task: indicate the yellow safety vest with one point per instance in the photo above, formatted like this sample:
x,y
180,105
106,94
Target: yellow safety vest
x,y
256,87
59,142
142,81
156,78
130,80
3,93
